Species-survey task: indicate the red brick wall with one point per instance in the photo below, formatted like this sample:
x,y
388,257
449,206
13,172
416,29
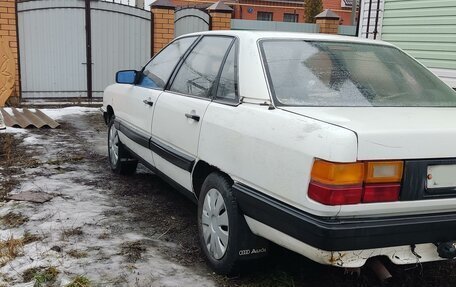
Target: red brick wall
x,y
242,12
163,28
220,21
344,13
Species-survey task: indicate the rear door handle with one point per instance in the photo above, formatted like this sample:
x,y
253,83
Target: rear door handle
x,y
193,117
148,102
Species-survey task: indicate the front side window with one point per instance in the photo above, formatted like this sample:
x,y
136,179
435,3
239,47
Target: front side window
x,y
320,73
227,86
199,71
157,72
264,16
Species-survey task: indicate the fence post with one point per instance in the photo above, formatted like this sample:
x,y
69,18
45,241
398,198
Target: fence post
x,y
220,16
328,22
9,53
162,24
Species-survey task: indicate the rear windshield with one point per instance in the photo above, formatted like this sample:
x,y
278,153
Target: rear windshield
x,y
318,73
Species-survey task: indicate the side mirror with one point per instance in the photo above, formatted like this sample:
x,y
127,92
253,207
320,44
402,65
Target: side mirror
x,y
126,77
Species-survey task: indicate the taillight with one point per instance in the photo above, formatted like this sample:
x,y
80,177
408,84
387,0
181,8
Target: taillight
x,y
352,183
335,195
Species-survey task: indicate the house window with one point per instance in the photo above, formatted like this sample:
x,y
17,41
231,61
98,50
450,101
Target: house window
x,y
288,17
264,16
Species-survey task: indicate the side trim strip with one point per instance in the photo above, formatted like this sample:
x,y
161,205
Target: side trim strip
x,y
166,152
132,133
173,156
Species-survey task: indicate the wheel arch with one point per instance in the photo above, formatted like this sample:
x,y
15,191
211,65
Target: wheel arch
x,y
109,112
201,170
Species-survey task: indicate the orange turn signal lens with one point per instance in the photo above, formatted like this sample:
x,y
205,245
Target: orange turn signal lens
x,y
384,171
338,173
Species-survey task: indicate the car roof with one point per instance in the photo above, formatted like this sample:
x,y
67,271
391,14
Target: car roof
x,y
257,35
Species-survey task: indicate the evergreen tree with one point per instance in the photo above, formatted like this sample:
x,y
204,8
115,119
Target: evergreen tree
x,y
311,9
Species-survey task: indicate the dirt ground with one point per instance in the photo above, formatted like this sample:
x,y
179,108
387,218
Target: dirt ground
x,y
101,229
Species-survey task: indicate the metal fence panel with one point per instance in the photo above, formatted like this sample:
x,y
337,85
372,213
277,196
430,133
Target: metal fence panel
x,y
190,20
52,48
347,30
237,24
121,40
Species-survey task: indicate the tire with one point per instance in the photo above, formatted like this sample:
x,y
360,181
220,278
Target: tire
x,y
217,227
120,160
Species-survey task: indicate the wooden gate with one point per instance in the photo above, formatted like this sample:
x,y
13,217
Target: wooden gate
x,y
189,20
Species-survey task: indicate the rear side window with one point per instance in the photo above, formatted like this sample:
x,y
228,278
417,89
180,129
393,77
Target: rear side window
x,y
159,69
227,88
199,71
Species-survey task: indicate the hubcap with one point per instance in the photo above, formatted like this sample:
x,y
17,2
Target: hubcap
x,y
113,145
215,224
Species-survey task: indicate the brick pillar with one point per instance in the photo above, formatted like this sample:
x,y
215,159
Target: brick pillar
x,y
9,55
220,16
163,24
328,22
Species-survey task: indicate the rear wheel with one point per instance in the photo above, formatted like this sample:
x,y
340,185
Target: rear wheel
x,y
120,160
217,217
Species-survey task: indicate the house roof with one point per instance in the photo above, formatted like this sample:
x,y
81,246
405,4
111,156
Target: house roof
x,y
327,14
219,6
162,4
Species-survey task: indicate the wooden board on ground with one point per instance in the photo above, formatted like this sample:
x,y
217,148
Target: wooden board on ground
x,y
37,197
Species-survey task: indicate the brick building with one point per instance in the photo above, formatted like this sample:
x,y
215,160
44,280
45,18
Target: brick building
x,y
275,10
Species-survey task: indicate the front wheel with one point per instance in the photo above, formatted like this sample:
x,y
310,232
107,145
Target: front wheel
x,y
120,160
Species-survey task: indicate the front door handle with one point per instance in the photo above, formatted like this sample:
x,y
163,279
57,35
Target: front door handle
x,y
148,102
193,117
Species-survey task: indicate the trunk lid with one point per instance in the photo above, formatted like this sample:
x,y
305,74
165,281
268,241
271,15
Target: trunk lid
x,y
393,132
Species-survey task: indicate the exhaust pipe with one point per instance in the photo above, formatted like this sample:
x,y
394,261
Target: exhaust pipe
x,y
447,250
379,269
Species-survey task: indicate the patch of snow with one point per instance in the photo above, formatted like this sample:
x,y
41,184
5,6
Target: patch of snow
x,y
80,218
57,114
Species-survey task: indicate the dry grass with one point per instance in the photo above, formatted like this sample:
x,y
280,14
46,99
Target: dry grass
x,y
65,159
13,160
41,276
79,281
29,238
66,233
77,254
132,250
12,220
10,249
7,143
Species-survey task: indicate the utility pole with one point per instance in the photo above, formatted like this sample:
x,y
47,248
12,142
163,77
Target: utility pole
x,y
353,14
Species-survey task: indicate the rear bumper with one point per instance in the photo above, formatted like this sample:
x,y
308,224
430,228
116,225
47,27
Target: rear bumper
x,y
345,234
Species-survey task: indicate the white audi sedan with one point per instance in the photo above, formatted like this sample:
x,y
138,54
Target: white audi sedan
x,y
338,148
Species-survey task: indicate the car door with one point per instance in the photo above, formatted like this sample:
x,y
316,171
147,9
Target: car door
x,y
180,108
136,107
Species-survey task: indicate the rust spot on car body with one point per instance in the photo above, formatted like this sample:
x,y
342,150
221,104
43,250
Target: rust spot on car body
x,y
337,258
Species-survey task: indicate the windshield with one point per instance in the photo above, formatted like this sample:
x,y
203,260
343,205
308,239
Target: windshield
x,y
317,73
